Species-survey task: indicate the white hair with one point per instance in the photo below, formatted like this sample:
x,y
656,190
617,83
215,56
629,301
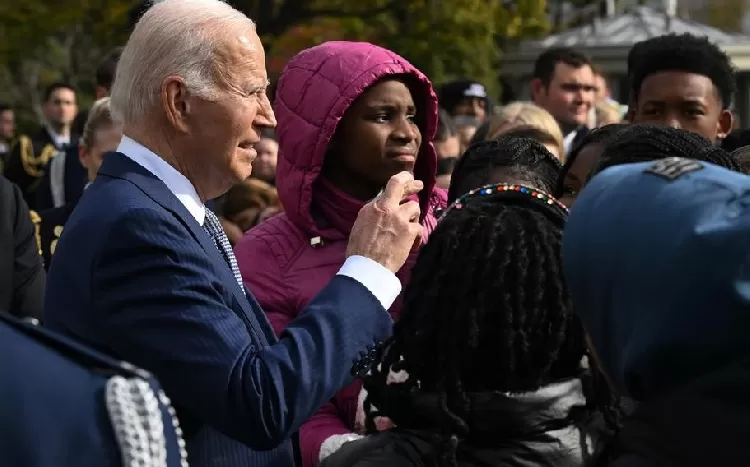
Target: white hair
x,y
173,38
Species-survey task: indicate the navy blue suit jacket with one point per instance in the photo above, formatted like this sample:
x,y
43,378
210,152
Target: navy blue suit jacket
x,y
136,276
52,401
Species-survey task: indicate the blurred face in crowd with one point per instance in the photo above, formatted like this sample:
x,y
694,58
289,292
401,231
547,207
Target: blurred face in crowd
x,y
682,100
449,147
471,106
569,95
264,166
60,109
602,90
377,138
7,125
579,172
227,127
105,139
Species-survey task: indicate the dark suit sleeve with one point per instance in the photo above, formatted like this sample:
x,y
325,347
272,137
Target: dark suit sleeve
x,y
162,309
28,270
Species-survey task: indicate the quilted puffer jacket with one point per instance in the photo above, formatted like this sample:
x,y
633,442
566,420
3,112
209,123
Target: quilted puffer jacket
x,y
280,261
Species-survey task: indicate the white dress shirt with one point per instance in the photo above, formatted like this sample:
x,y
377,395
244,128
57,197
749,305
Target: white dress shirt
x,y
383,284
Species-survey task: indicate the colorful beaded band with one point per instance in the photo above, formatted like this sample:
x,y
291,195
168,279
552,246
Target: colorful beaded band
x,y
514,189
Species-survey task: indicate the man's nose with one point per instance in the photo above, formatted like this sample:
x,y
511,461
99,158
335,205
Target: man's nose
x,y
265,116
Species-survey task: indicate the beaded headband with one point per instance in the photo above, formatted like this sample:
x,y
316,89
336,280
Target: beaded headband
x,y
510,190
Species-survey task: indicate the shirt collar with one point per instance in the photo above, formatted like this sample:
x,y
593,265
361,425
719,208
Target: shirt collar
x,y
177,183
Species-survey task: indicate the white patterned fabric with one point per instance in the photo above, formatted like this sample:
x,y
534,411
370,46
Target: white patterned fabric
x,y
212,225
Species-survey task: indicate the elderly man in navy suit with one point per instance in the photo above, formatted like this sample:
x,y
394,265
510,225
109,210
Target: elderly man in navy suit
x,y
144,272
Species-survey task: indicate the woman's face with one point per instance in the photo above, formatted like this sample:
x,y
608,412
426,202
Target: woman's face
x,y
264,166
377,138
105,139
579,172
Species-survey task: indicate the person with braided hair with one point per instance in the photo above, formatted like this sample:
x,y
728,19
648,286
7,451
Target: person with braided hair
x,y
506,159
682,81
641,143
742,156
492,357
581,160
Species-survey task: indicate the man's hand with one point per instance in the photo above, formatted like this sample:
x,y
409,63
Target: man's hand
x,y
388,226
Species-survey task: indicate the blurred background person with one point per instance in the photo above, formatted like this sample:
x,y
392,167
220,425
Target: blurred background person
x,y
447,141
563,84
264,165
7,132
100,136
243,205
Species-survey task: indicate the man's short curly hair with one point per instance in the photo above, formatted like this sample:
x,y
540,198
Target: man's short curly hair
x,y
686,53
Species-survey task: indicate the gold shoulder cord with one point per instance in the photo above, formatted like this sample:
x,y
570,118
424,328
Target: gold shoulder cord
x,y
37,223
31,163
56,232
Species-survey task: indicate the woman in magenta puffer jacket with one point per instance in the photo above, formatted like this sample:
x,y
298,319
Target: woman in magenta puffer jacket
x,y
350,115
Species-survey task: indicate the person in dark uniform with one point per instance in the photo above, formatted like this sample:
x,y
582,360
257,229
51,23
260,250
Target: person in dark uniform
x,y
30,154
64,177
63,403
7,132
22,277
100,135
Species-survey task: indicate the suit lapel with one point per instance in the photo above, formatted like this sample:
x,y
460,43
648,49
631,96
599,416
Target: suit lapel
x,y
120,166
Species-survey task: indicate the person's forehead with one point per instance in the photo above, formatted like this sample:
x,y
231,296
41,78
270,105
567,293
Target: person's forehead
x,y
571,74
677,86
242,52
60,93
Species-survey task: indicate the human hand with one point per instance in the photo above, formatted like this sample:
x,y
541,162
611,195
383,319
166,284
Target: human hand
x,y
388,227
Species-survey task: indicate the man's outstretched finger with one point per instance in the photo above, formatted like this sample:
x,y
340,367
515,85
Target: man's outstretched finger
x,y
412,188
395,190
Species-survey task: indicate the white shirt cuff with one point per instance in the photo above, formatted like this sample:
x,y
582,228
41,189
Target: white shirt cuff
x,y
373,275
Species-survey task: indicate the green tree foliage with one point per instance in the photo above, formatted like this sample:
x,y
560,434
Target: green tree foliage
x,y
446,39
42,41
727,15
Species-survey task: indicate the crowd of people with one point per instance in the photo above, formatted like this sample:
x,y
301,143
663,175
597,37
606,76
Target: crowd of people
x,y
366,271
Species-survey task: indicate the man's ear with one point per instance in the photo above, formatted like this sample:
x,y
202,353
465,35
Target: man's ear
x,y
83,155
537,89
174,97
725,124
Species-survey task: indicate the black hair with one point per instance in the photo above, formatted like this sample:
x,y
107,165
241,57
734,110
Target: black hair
x,y
49,90
741,155
446,165
445,127
4,107
526,160
486,310
452,93
641,143
600,135
105,72
685,53
544,67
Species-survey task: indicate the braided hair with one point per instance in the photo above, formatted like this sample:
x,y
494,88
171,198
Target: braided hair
x,y
601,136
486,310
641,143
522,160
742,156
